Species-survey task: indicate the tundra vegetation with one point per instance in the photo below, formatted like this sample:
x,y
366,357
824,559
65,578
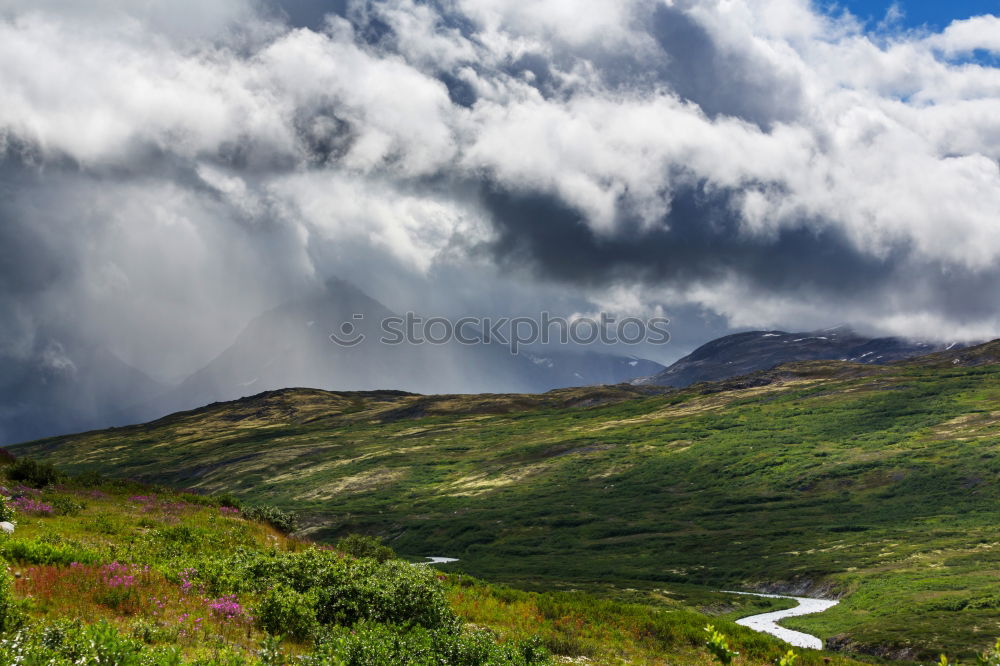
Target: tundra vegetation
x,y
122,573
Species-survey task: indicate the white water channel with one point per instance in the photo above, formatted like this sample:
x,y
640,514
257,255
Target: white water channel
x,y
768,622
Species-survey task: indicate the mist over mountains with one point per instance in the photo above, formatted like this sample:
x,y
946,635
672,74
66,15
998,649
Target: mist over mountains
x,y
290,346
285,347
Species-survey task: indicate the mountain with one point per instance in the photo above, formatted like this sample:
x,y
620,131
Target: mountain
x,y
62,389
743,353
562,369
874,484
291,346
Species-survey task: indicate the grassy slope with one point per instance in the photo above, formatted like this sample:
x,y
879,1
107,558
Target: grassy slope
x,y
158,534
877,482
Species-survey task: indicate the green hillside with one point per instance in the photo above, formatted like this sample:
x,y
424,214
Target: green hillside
x,y
879,484
103,573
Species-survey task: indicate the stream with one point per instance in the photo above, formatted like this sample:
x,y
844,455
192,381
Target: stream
x,y
768,622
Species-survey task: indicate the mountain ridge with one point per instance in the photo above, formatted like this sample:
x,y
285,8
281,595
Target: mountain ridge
x,y
742,353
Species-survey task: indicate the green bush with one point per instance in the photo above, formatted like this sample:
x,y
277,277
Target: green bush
x,y
7,512
227,499
78,643
11,614
361,545
283,611
38,551
393,592
277,518
33,473
346,590
373,644
64,505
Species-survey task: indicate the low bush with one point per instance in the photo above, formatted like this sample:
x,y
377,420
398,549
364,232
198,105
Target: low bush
x,y
64,505
78,643
33,473
346,590
229,500
38,551
7,511
361,545
277,518
11,614
394,592
283,611
373,644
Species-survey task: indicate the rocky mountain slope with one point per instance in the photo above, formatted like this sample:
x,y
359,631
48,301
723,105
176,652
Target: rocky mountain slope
x,y
742,353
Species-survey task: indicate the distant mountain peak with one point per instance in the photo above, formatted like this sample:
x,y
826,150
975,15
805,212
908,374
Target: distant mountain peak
x,y
743,353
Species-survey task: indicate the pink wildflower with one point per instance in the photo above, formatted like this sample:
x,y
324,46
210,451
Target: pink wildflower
x,y
226,608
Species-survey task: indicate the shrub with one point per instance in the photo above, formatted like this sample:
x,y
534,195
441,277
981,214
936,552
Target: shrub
x,y
718,645
228,500
36,551
360,545
372,644
91,479
11,614
346,590
283,611
33,473
265,513
65,506
7,512
78,643
393,592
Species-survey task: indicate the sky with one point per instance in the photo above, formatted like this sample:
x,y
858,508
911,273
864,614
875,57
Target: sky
x,y
933,15
171,169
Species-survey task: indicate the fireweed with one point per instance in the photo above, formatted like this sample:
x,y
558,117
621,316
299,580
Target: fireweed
x,y
29,506
226,608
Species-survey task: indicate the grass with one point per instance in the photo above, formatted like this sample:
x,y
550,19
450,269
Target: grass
x,y
879,484
154,572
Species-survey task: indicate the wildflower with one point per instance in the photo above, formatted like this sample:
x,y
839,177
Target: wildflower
x,y
117,575
186,575
226,608
32,506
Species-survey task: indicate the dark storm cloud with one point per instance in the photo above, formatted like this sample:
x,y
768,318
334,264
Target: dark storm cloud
x,y
700,240
721,81
312,13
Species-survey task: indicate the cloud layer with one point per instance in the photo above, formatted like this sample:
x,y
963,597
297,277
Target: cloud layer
x,y
170,169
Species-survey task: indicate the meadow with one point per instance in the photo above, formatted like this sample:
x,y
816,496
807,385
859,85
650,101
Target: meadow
x,y
124,574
